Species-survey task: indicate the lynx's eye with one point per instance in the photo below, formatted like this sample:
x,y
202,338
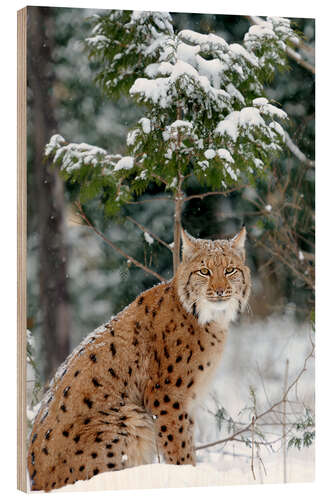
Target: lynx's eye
x,y
230,270
204,271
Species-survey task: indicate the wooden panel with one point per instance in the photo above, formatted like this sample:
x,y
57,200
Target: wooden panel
x,y
21,245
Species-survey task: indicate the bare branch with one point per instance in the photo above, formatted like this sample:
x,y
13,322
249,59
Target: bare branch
x,y
115,247
212,193
248,427
290,265
159,178
284,424
145,230
252,447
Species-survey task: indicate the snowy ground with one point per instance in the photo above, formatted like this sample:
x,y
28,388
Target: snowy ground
x,y
255,355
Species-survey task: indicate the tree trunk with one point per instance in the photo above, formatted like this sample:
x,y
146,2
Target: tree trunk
x,y
177,230
48,195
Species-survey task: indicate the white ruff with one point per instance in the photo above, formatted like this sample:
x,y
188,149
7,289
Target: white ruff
x,y
220,312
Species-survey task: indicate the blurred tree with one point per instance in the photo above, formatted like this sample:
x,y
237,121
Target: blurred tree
x,y
48,196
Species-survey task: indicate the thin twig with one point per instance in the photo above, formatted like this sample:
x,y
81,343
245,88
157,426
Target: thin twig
x,y
284,424
252,448
261,461
159,178
291,265
212,193
264,413
145,230
115,247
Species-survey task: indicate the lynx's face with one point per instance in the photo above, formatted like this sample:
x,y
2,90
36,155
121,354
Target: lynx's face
x,y
213,282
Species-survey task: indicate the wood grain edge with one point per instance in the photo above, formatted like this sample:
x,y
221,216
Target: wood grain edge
x,y
21,245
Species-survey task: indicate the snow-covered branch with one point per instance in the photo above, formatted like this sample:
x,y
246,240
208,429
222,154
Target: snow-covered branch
x,y
257,21
297,152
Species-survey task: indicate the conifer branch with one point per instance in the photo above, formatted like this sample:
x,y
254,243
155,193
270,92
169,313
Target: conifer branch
x,y
255,20
157,198
115,247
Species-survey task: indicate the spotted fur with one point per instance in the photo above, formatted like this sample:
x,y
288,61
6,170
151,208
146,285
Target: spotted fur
x,y
129,391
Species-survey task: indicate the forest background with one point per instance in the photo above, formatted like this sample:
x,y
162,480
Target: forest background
x,y
324,182
75,282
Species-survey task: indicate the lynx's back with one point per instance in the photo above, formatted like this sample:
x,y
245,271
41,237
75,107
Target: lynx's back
x,y
129,391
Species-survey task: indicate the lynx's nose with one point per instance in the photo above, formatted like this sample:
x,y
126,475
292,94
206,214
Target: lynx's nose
x,y
219,292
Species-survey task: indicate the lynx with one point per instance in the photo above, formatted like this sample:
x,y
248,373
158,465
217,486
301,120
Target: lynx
x,y
129,391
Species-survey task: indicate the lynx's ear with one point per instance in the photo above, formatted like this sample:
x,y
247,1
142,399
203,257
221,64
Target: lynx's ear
x,y
238,243
188,244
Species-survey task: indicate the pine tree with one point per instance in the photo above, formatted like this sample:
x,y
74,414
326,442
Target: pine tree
x,y
206,115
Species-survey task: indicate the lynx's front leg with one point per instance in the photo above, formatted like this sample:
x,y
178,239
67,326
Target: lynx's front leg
x,y
173,426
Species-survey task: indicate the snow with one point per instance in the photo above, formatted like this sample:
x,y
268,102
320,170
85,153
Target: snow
x,y
265,29
182,68
228,126
212,69
225,155
278,129
271,110
260,101
181,124
55,141
84,154
239,50
158,69
126,163
206,42
187,53
131,137
231,172
268,208
250,117
148,238
231,89
98,40
161,91
149,476
145,124
203,165
153,90
210,154
173,476
247,117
